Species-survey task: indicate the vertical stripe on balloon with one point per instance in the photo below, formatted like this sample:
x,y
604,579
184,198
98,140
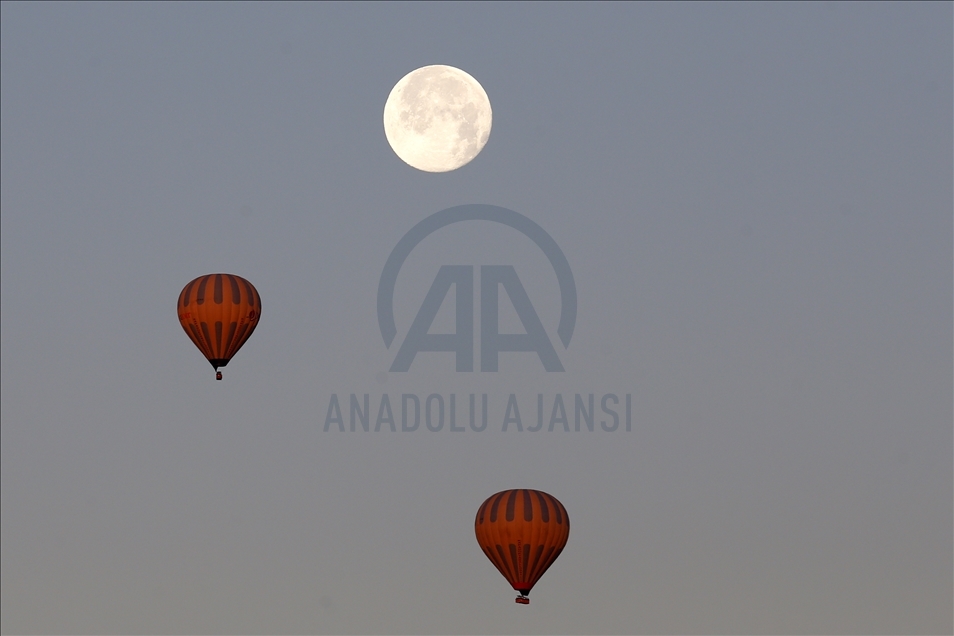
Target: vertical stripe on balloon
x,y
236,294
511,501
200,292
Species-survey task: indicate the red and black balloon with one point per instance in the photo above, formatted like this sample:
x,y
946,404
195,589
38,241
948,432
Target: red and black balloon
x,y
522,532
219,312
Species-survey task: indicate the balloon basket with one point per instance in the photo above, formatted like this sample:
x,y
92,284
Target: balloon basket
x,y
218,375
523,600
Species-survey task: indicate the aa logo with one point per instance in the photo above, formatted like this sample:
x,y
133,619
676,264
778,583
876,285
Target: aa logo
x,y
492,279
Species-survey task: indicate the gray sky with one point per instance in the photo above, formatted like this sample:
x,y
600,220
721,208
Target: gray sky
x,y
756,204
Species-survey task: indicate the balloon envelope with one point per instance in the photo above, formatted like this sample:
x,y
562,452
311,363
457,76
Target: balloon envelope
x,y
219,312
522,532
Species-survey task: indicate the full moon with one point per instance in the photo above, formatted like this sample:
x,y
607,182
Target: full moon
x,y
437,118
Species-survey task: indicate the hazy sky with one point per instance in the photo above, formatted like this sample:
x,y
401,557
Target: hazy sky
x,y
756,205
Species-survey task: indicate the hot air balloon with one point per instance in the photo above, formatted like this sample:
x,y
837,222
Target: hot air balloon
x,y
522,532
219,312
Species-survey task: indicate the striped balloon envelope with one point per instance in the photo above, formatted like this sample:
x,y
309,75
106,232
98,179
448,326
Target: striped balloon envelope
x,y
219,312
522,532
